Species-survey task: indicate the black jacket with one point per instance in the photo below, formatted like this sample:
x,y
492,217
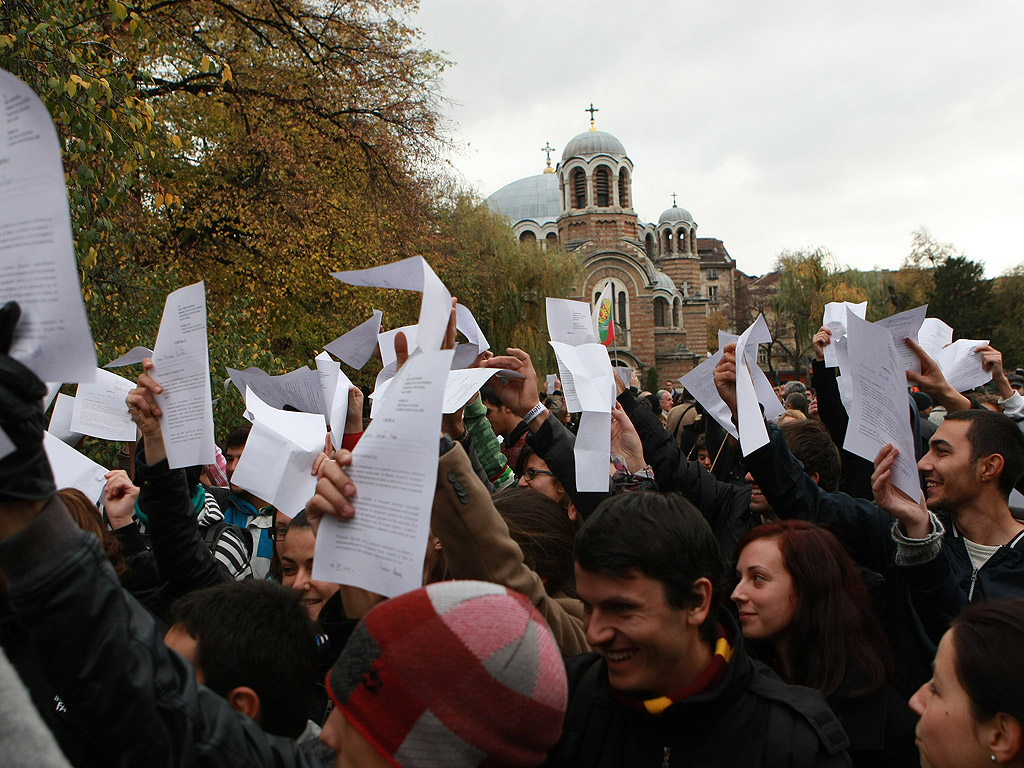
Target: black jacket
x,y
103,653
726,506
750,719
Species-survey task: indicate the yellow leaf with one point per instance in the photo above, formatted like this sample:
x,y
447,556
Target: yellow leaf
x,y
159,201
121,11
176,141
226,75
205,64
71,87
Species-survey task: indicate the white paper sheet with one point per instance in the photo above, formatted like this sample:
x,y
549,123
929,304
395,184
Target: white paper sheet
x,y
334,384
131,357
834,319
625,375
7,446
412,274
700,383
903,326
356,347
467,324
753,433
37,254
465,355
552,378
461,386
961,365
570,322
278,456
589,369
394,468
766,394
60,420
100,409
181,364
934,335
72,469
880,411
299,389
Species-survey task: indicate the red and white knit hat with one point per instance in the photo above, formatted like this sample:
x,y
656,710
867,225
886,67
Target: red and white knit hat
x,y
462,672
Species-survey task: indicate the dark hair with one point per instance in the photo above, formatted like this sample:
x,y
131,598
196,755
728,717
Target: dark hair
x,y
237,437
811,443
299,521
987,639
834,626
700,444
256,634
797,401
990,433
488,395
542,529
662,536
88,518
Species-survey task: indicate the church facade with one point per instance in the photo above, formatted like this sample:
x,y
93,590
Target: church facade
x,y
666,280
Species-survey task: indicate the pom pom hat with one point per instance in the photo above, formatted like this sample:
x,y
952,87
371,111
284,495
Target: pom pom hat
x,y
458,673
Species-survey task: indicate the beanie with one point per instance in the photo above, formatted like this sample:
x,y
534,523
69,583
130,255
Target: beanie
x,y
458,673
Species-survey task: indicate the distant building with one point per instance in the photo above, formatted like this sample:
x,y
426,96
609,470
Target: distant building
x,y
666,279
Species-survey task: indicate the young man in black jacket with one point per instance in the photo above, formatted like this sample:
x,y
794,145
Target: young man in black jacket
x,y
670,684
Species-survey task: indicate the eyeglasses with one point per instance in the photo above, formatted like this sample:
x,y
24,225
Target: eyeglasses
x,y
531,474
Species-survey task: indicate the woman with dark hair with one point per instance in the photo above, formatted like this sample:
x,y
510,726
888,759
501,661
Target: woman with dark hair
x,y
804,610
972,710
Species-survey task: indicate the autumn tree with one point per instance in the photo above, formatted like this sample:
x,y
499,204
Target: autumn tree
x,y
808,280
1007,314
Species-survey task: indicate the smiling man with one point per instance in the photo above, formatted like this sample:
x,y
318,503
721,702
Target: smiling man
x,y
671,684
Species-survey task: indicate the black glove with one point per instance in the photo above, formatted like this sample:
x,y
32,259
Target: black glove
x,y
25,473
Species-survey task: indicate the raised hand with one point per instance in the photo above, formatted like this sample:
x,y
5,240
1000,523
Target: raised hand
x,y
725,377
334,491
913,515
518,395
146,413
821,340
119,497
931,381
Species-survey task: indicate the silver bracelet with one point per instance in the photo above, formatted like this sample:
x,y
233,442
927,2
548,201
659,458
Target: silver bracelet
x,y
534,412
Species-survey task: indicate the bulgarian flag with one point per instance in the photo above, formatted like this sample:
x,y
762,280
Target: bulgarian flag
x,y
604,328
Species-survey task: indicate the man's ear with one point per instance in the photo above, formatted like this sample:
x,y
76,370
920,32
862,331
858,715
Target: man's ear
x,y
991,467
1004,739
245,700
815,477
701,591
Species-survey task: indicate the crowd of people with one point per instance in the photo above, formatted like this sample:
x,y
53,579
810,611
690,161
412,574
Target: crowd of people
x,y
790,607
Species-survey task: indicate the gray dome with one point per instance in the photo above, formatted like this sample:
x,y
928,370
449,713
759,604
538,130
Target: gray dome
x,y
675,214
593,143
536,198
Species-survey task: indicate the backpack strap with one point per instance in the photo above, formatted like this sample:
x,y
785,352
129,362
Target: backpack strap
x,y
810,705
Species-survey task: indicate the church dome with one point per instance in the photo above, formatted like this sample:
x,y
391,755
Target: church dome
x,y
674,215
593,143
535,198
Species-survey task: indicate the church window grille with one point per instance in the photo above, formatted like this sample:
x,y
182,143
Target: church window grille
x,y
623,188
602,186
579,189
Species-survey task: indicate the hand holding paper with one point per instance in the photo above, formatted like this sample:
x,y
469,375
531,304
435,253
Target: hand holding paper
x,y
913,515
931,381
146,413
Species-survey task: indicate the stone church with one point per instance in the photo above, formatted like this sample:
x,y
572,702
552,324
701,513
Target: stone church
x,y
667,281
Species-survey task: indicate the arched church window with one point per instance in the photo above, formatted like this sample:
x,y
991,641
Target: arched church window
x,y
602,186
623,188
579,189
676,320
528,236
649,245
660,312
622,318
552,238
682,240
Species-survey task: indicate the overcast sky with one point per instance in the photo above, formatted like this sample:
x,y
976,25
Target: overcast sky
x,y
782,125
